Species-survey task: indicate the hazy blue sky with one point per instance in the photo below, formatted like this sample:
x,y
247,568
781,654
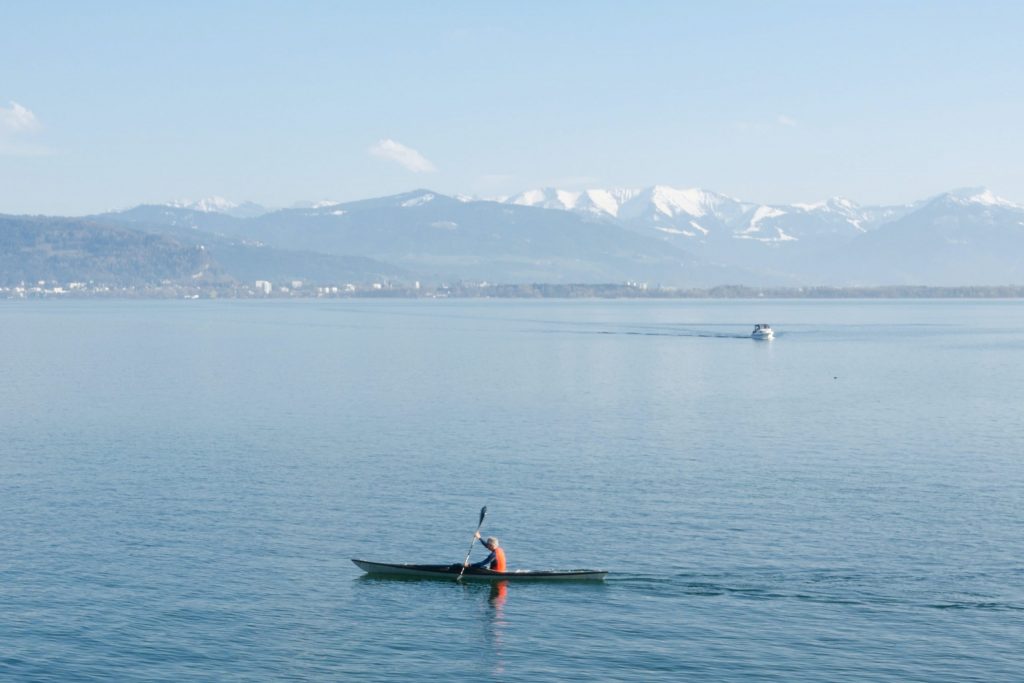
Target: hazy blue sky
x,y
105,105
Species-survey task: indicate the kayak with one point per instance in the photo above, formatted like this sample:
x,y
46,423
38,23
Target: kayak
x,y
451,571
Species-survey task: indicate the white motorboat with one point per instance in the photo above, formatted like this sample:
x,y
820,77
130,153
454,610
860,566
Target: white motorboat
x,y
762,331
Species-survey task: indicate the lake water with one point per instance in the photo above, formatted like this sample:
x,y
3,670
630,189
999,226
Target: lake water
x,y
184,483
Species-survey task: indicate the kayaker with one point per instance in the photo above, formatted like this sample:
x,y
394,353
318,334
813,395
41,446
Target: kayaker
x,y
496,560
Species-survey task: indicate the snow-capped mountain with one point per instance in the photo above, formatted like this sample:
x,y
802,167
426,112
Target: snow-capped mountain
x,y
662,202
966,236
781,240
599,202
206,204
319,204
217,204
629,203
976,196
694,214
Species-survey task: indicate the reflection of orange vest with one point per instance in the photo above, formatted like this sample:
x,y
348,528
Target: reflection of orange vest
x,y
498,564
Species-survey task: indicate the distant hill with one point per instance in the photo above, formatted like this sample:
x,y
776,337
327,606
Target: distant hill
x,y
177,220
103,250
66,249
233,243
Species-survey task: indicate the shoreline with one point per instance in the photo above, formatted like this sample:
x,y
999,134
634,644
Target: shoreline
x,y
520,291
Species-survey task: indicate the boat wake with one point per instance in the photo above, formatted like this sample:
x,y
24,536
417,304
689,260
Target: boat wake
x,y
828,588
670,332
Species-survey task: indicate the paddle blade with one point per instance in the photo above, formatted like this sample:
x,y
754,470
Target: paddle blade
x,y
483,513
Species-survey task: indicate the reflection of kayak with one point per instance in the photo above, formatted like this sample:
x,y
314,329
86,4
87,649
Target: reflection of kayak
x,y
451,571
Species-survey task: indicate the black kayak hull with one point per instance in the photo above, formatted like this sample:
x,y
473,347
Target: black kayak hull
x,y
451,571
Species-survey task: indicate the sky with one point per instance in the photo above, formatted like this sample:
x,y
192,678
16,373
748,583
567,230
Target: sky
x,y
105,105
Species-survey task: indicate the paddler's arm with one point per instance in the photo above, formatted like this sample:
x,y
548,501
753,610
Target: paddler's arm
x,y
487,560
483,563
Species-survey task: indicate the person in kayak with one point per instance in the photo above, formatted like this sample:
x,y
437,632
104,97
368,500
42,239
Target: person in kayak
x,y
496,560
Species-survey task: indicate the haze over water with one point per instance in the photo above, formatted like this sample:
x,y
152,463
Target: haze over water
x,y
184,484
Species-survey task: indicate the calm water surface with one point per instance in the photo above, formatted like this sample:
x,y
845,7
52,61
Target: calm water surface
x,y
184,484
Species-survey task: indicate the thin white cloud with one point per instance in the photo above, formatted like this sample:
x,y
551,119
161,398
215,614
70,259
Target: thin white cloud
x,y
17,119
784,120
18,123
400,154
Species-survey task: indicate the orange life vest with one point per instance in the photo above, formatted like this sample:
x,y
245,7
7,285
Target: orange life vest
x,y
498,564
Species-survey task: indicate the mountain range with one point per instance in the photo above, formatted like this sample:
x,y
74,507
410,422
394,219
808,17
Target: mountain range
x,y
660,235
943,240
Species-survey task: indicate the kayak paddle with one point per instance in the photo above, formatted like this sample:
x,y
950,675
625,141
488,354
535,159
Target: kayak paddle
x,y
483,513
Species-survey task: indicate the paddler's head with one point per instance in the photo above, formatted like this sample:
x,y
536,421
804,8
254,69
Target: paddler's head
x,y
491,542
